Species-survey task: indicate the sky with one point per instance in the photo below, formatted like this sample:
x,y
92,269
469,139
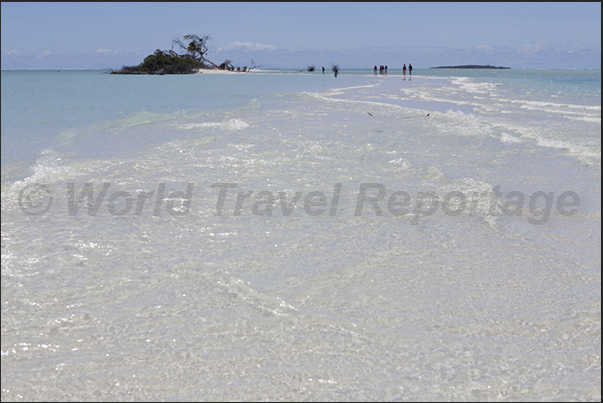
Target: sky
x,y
294,35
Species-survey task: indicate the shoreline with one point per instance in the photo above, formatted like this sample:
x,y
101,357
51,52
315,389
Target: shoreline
x,y
218,71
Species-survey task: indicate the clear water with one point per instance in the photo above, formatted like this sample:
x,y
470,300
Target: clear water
x,y
277,293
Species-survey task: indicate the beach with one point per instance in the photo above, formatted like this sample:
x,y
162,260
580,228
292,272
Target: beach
x,y
287,235
218,71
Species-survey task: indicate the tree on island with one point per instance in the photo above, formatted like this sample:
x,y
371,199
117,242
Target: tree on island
x,y
195,46
163,62
170,62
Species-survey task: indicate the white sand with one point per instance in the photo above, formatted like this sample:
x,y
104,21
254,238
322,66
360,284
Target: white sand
x,y
217,71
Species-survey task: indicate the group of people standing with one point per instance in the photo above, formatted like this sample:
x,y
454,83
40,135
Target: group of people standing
x,y
383,69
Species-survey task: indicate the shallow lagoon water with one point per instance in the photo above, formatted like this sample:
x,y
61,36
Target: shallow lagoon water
x,y
304,281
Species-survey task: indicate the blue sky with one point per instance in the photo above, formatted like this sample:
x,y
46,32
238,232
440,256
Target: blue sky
x,y
290,35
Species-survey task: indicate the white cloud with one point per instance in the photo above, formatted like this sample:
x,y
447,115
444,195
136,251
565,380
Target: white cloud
x,y
45,54
535,47
103,51
13,52
237,45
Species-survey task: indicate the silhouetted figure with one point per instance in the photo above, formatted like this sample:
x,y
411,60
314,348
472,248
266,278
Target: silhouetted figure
x,y
323,69
386,69
409,69
375,70
404,69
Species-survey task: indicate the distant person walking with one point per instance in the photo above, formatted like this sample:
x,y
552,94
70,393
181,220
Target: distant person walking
x,y
409,69
323,69
375,70
386,69
404,69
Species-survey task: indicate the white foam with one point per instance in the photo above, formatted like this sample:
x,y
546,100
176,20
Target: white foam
x,y
48,167
586,119
576,149
543,104
401,163
507,138
464,124
468,85
232,124
235,124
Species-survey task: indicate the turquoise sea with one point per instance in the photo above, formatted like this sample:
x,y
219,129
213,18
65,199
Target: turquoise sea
x,y
287,235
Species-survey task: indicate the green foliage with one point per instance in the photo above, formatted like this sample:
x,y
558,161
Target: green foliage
x,y
164,62
169,62
197,46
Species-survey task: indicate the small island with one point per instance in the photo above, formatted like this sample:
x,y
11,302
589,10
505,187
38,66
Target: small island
x,y
192,61
470,66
